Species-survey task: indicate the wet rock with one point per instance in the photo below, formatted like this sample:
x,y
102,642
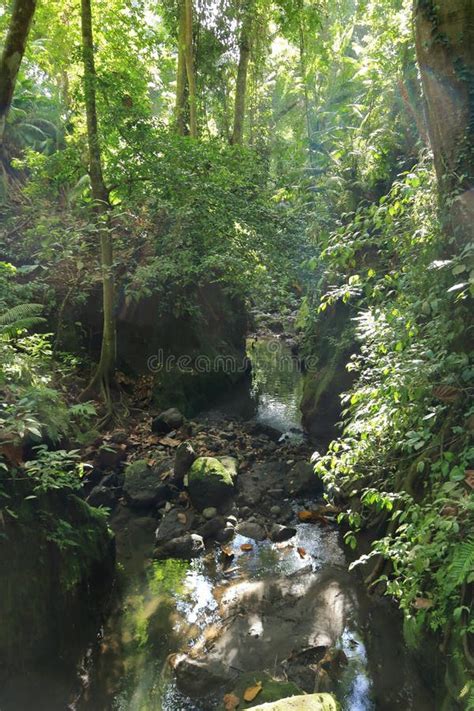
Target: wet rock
x,y
196,679
174,523
102,496
210,529
184,547
209,483
209,512
184,458
231,519
303,480
226,534
251,529
280,533
258,428
167,421
143,486
275,510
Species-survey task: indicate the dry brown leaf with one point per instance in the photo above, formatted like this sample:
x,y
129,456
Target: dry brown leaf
x,y
253,691
301,552
306,516
469,478
422,603
231,701
169,442
246,547
447,393
182,517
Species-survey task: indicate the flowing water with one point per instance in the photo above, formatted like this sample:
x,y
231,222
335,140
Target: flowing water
x,y
163,606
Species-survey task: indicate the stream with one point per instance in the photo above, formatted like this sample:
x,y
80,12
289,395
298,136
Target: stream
x,y
163,607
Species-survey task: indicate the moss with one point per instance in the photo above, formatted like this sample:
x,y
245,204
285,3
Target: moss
x,y
209,482
205,467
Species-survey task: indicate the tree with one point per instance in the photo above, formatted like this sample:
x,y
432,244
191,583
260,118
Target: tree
x,y
445,52
242,71
100,196
186,78
13,51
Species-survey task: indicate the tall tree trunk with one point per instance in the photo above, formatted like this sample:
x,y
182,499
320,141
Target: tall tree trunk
x,y
13,51
304,81
242,72
106,363
445,52
189,58
180,108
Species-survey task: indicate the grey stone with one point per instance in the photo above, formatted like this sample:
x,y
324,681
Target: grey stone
x,y
280,533
251,530
102,496
185,547
167,421
184,457
174,523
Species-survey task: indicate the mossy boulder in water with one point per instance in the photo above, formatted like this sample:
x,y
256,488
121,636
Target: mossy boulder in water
x,y
308,702
210,482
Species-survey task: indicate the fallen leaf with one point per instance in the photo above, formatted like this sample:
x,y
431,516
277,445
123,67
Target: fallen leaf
x,y
246,547
447,393
253,691
469,478
301,552
306,516
422,603
231,701
182,517
169,442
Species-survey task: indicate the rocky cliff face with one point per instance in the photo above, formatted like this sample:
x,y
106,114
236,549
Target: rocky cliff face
x,y
56,570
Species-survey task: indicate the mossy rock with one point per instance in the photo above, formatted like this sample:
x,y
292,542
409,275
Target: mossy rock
x,y
210,483
143,486
307,702
272,689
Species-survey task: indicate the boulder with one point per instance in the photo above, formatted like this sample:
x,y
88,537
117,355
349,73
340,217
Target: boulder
x,y
184,458
174,524
209,513
143,485
308,702
196,679
211,529
303,480
102,496
184,547
210,483
167,421
251,530
231,464
279,533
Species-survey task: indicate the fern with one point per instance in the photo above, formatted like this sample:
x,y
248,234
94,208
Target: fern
x,y
462,564
20,318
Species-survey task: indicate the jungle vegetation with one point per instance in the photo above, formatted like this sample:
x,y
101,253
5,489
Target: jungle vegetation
x,y
318,152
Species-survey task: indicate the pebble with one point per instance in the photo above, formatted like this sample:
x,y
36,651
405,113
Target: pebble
x,y
209,512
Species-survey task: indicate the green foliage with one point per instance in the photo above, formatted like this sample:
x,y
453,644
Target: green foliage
x,y
406,446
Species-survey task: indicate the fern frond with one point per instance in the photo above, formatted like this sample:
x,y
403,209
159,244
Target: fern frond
x,y
462,564
18,312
